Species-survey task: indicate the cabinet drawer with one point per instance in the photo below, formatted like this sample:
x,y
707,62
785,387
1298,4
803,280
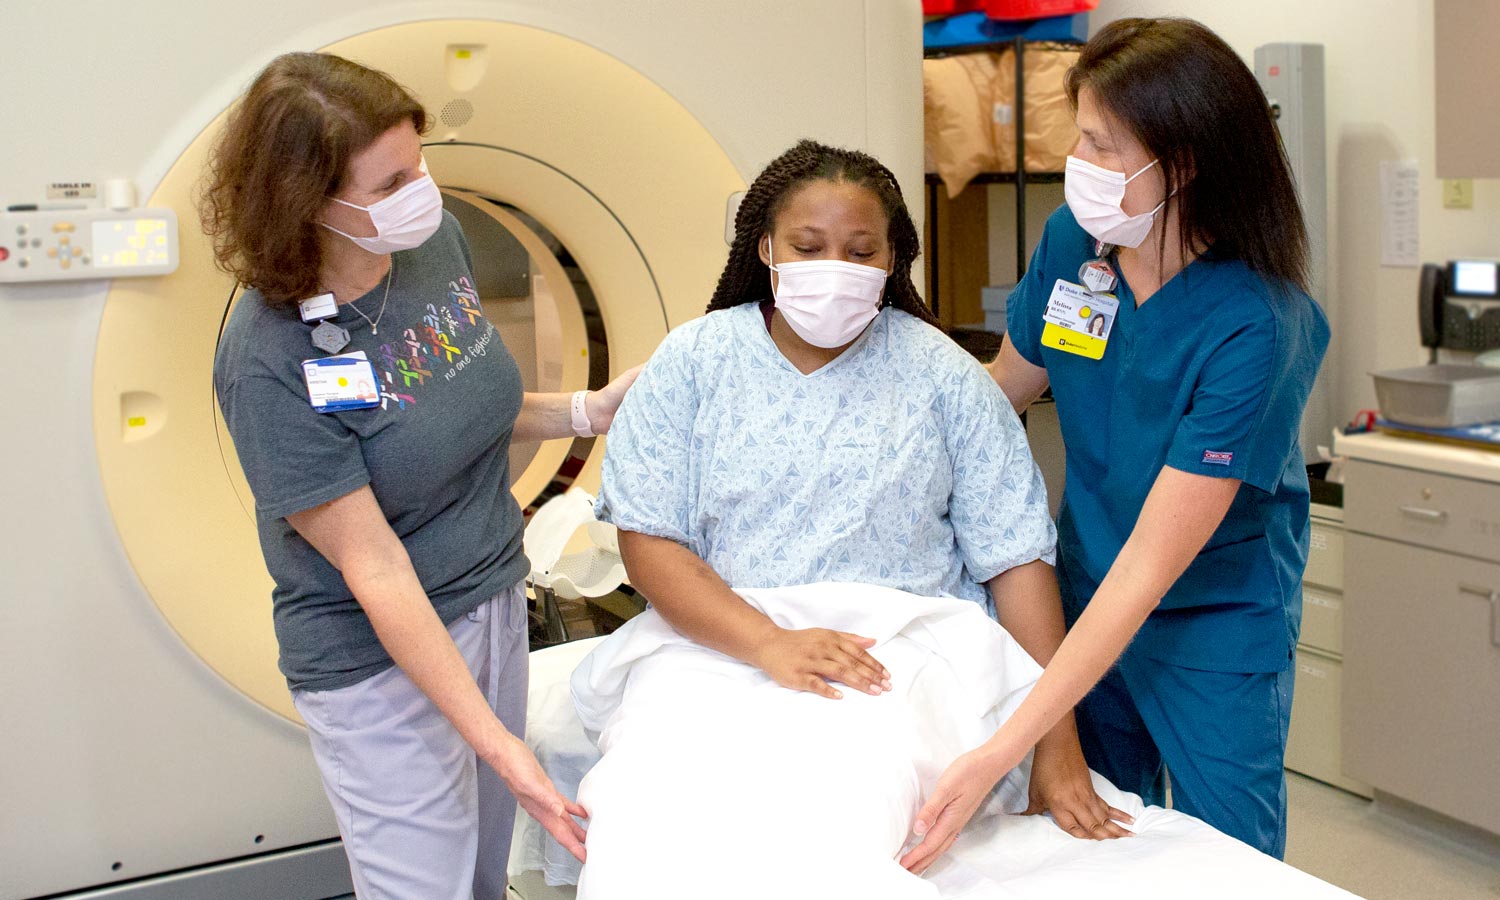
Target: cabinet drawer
x,y
1325,555
1422,677
1454,514
1314,746
1322,619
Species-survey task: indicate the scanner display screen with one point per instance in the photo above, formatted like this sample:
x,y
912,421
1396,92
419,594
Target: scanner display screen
x,y
128,243
1475,278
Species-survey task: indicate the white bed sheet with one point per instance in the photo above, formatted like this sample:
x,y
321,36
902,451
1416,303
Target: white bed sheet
x,y
679,798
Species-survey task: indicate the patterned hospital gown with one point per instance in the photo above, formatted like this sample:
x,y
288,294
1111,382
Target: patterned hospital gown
x,y
900,463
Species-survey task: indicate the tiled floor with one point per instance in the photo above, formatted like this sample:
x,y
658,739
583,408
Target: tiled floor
x,y
1346,840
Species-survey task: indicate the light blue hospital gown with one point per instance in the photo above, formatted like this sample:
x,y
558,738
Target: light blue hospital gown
x,y
900,463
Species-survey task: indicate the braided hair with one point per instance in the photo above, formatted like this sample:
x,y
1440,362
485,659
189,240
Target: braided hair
x,y
747,280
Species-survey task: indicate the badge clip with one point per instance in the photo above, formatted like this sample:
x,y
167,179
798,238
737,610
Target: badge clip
x,y
329,337
323,306
1097,275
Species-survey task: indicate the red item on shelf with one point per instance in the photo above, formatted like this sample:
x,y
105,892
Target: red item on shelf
x,y
949,7
1032,9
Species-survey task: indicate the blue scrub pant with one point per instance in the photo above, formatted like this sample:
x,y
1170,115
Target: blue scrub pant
x,y
1221,737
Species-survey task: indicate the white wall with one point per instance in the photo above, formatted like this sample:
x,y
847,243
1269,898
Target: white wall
x,y
1379,65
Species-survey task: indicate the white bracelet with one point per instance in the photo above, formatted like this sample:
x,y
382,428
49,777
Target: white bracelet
x,y
581,424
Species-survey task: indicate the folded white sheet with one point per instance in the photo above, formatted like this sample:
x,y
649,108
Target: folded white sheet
x,y
717,783
1172,856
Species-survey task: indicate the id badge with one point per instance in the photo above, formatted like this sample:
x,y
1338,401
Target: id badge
x,y
1078,320
323,306
338,383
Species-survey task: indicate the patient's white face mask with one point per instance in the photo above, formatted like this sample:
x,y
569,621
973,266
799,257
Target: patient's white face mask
x,y
827,302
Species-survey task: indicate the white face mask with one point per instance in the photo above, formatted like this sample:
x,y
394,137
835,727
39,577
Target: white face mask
x,y
827,302
404,220
1094,195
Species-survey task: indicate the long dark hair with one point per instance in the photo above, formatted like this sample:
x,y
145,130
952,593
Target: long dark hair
x,y
746,279
283,152
1194,105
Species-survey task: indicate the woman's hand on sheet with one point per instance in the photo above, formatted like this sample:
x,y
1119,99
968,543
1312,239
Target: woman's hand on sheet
x,y
960,790
535,793
808,659
1061,785
603,403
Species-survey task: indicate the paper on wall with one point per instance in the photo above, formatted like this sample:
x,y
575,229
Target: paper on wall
x,y
1399,195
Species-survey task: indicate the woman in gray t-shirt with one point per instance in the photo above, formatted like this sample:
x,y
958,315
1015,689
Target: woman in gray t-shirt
x,y
372,407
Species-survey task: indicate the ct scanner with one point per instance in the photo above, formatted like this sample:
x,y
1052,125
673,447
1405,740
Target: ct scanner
x,y
593,150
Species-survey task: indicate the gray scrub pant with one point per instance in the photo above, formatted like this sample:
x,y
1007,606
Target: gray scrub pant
x,y
419,815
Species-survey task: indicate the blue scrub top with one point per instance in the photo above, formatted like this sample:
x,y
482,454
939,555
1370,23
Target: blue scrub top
x,y
1209,376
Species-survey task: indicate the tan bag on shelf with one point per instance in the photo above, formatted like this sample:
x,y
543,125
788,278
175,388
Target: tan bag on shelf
x,y
1050,132
958,109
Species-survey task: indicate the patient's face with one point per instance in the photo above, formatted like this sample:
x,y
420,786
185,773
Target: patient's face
x,y
830,220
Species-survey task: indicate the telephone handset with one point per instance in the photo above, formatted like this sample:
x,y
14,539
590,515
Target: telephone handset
x,y
1432,292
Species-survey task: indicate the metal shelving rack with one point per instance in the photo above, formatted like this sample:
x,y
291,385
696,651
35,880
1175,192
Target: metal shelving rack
x,y
1020,178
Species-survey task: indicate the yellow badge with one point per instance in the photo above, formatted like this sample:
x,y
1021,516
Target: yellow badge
x,y
1078,320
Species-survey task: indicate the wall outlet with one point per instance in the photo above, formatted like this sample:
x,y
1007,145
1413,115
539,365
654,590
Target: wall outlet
x,y
1458,193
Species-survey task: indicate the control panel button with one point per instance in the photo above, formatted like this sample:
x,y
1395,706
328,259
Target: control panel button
x,y
21,230
60,227
4,254
24,262
52,253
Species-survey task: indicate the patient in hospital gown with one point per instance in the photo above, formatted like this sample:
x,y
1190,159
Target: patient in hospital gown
x,y
900,463
771,444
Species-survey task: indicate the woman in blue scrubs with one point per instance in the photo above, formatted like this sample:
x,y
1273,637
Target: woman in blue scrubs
x,y
1184,525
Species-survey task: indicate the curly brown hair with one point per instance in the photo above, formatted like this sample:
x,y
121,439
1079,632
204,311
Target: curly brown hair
x,y
746,279
283,152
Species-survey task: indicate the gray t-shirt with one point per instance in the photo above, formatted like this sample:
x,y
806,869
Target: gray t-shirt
x,y
435,452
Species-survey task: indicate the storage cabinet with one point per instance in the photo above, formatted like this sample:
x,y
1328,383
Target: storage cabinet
x,y
1314,743
1422,643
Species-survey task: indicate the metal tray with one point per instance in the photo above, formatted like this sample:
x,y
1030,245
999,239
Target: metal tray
x,y
1439,396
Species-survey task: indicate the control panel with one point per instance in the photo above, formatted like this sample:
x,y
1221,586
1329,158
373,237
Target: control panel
x,y
77,244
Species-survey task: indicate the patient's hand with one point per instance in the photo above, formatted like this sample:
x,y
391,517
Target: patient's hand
x,y
1060,784
534,791
808,659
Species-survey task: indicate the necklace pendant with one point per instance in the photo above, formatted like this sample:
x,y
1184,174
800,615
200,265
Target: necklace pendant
x,y
374,330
